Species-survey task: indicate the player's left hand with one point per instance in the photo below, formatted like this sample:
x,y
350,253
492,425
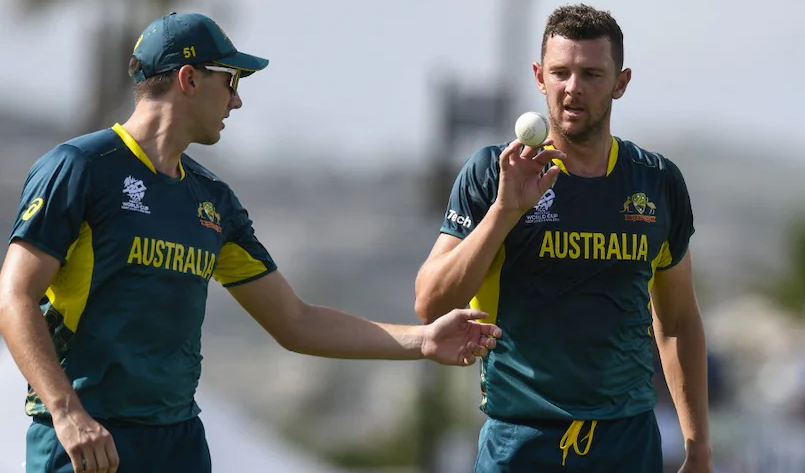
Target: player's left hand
x,y
458,338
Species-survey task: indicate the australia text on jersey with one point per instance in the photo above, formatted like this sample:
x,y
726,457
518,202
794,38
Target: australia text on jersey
x,y
171,256
594,246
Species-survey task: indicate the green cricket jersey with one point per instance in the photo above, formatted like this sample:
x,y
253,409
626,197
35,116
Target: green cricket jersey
x,y
570,285
138,249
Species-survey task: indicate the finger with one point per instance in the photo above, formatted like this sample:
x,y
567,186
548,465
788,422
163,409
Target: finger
x,y
472,314
477,350
491,330
530,152
101,461
489,343
466,356
76,457
549,178
548,155
90,466
112,455
509,153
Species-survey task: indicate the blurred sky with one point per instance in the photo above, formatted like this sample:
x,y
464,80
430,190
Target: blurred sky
x,y
353,78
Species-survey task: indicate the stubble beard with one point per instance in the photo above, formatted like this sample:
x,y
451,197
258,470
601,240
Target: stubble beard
x,y
590,130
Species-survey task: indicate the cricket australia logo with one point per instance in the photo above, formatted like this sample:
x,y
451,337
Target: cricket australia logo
x,y
639,209
135,190
541,212
208,216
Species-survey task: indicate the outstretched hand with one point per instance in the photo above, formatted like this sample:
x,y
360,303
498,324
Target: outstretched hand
x,y
457,338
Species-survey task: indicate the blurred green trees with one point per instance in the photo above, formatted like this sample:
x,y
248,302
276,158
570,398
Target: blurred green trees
x,y
788,289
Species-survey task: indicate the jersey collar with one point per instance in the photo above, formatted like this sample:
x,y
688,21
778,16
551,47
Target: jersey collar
x,y
613,158
137,151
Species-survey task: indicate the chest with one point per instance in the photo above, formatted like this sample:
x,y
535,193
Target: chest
x,y
623,217
149,217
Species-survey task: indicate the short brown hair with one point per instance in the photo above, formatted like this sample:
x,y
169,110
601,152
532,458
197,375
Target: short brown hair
x,y
152,87
155,86
583,22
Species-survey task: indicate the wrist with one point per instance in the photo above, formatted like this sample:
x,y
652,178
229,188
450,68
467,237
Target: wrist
x,y
504,216
698,450
421,339
64,406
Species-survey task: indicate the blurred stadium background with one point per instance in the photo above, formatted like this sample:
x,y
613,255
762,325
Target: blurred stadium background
x,y
344,153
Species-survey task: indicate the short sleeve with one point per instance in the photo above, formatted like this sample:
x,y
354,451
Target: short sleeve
x,y
242,258
54,201
681,214
473,192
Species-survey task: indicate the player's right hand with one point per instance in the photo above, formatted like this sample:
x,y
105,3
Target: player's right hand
x,y
522,183
89,445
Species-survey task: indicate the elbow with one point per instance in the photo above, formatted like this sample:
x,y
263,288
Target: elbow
x,y
683,324
435,296
291,333
431,304
288,342
426,300
426,309
10,301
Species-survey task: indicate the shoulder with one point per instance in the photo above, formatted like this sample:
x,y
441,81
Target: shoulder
x,y
78,152
652,162
487,156
94,145
193,166
484,162
206,178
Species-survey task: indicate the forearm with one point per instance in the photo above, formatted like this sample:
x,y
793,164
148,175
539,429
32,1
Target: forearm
x,y
325,332
26,334
684,361
451,280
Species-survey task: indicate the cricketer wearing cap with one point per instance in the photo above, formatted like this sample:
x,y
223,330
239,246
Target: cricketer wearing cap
x,y
567,247
116,238
132,243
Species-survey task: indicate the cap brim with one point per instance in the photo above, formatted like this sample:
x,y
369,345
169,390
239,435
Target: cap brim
x,y
246,63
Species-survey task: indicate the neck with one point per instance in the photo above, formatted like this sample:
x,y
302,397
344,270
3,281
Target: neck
x,y
154,127
588,158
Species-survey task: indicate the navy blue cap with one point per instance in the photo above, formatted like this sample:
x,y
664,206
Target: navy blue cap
x,y
178,39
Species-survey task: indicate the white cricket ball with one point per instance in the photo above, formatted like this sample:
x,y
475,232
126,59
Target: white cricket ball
x,y
531,128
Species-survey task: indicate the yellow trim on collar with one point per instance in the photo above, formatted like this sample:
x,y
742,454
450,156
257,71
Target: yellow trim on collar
x,y
613,158
137,151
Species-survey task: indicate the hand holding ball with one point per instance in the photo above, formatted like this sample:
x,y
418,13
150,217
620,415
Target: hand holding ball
x,y
531,129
